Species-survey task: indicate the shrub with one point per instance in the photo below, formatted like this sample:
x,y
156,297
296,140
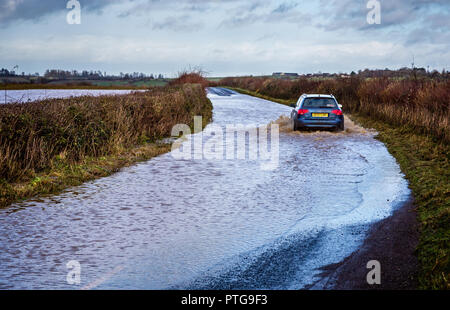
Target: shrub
x,y
191,77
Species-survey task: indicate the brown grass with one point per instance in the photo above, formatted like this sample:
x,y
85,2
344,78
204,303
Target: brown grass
x,y
192,77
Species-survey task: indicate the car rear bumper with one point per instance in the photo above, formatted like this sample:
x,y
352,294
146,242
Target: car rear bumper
x,y
318,123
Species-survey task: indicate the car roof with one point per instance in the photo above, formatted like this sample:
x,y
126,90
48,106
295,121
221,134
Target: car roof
x,y
317,95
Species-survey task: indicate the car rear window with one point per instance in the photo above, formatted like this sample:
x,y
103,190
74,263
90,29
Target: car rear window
x,y
319,103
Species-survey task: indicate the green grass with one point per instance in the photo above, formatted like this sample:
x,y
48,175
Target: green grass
x,y
425,163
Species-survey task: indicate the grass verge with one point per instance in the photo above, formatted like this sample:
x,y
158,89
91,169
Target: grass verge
x,y
63,174
425,164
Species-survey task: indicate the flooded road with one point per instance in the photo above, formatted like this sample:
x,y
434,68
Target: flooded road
x,y
209,224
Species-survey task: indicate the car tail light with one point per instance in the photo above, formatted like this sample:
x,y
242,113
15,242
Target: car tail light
x,y
337,112
303,111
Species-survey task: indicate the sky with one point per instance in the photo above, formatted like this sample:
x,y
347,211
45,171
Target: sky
x,y
224,37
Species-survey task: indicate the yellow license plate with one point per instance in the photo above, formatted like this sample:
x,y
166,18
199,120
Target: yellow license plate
x,y
320,115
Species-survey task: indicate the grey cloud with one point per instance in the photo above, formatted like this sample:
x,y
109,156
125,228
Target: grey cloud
x,y
178,24
285,7
434,30
352,14
283,13
422,35
417,18
16,10
439,21
141,7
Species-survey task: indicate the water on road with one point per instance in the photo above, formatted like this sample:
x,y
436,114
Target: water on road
x,y
209,224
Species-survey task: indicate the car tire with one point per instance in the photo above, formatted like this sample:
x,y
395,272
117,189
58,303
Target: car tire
x,y
293,125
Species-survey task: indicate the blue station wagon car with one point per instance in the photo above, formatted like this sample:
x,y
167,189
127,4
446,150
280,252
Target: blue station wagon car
x,y
317,111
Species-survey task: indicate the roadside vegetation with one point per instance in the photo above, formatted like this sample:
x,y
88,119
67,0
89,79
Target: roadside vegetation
x,y
49,145
195,76
412,117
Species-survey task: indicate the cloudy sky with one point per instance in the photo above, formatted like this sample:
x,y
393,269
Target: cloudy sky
x,y
224,37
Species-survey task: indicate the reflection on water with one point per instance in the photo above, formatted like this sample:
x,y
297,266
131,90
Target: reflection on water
x,y
170,223
26,95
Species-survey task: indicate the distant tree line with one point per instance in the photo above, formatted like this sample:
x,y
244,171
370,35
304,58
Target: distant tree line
x,y
85,74
97,75
6,72
379,73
